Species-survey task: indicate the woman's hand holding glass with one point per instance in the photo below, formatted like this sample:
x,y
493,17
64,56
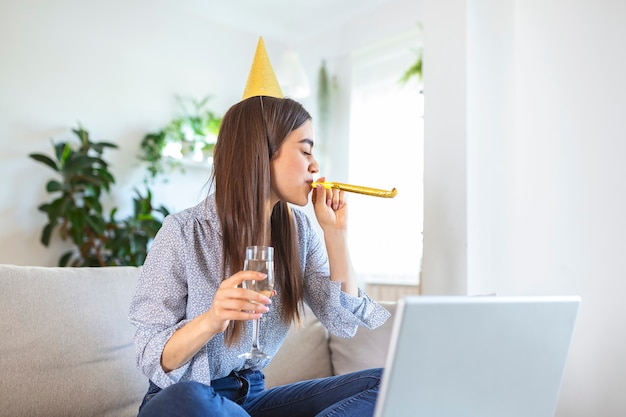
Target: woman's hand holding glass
x,y
232,302
260,259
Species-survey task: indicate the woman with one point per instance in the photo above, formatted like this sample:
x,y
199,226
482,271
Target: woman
x,y
193,317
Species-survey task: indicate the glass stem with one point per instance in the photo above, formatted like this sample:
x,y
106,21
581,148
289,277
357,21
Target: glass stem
x,y
255,334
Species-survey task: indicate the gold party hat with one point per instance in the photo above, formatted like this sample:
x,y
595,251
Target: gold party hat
x,y
262,80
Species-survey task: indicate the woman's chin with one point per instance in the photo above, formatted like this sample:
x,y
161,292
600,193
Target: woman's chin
x,y
301,201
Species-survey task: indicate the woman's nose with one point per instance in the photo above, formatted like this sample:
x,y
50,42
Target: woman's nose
x,y
314,167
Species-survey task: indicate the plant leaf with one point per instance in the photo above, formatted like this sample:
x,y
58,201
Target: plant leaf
x,y
93,203
96,223
46,160
53,186
99,146
46,233
65,258
65,154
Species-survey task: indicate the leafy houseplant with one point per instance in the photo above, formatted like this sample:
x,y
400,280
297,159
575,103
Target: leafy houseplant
x,y
152,147
193,133
415,70
129,239
323,97
76,210
326,90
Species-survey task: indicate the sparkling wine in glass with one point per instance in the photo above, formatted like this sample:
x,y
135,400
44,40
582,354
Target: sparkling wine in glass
x,y
261,259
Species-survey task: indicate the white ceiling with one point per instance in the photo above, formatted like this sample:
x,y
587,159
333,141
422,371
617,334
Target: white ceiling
x,y
283,20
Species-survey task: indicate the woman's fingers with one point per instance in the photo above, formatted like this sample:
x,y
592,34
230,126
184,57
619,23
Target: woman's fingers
x,y
241,299
232,302
336,199
231,299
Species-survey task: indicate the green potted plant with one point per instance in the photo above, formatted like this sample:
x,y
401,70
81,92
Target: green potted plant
x,y
76,208
128,240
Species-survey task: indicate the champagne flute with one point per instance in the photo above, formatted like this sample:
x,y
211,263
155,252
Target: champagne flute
x,y
261,259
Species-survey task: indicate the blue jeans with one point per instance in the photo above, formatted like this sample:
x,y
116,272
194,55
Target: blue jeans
x,y
243,394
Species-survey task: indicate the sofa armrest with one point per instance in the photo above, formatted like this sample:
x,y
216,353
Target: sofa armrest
x,y
67,346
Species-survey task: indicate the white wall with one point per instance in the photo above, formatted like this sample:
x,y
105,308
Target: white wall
x,y
395,18
116,67
444,268
570,172
524,192
524,188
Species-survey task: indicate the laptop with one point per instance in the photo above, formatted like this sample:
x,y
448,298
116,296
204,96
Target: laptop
x,y
461,356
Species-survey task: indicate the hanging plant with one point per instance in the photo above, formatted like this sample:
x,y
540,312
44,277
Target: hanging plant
x,y
415,70
323,95
325,87
192,135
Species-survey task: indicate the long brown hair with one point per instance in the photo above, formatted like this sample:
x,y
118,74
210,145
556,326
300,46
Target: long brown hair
x,y
251,133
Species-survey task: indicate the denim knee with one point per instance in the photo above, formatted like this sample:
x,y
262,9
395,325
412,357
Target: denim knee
x,y
189,399
374,375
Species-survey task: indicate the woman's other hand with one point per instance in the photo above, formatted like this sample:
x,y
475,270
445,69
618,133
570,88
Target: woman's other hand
x,y
330,207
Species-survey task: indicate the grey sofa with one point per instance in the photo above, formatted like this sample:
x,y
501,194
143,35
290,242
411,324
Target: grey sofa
x,y
66,347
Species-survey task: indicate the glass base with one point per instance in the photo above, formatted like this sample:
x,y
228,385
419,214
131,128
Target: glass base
x,y
254,354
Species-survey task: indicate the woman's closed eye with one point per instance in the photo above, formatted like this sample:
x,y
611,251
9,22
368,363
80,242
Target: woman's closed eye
x,y
307,149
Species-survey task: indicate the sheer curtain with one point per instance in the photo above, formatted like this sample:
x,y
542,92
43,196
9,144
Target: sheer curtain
x,y
386,151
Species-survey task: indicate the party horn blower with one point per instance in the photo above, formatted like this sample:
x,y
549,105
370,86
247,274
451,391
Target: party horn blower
x,y
375,192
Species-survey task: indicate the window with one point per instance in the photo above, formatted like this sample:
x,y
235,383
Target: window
x,y
386,151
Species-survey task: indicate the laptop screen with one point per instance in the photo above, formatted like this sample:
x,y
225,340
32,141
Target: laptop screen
x,y
460,356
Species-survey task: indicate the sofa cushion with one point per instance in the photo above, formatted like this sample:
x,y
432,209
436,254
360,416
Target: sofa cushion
x,y
67,346
367,349
303,355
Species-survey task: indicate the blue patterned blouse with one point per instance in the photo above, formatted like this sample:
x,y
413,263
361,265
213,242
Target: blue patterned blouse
x,y
179,280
